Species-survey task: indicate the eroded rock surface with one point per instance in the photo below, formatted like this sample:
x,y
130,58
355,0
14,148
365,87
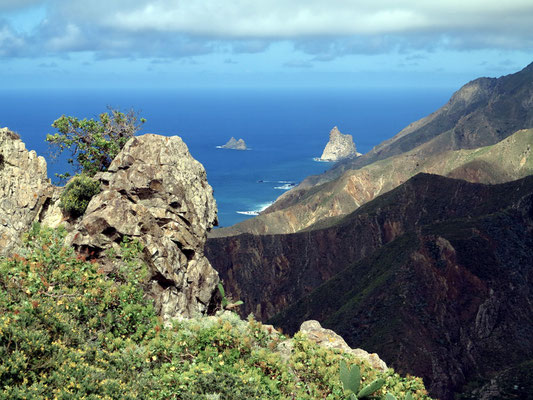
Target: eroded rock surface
x,y
25,193
156,192
339,147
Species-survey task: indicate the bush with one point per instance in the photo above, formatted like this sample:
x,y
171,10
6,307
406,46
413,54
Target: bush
x,y
94,143
77,195
69,331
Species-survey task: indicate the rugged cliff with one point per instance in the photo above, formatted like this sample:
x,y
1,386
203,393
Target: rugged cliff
x,y
154,191
339,147
25,190
509,159
481,113
435,276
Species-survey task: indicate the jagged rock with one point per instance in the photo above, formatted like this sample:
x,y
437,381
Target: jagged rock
x,y
339,147
235,144
26,191
156,192
329,339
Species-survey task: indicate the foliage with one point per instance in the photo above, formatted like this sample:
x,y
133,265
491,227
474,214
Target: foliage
x,y
351,381
77,195
225,302
94,143
69,331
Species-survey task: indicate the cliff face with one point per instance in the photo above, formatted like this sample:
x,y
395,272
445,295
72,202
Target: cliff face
x,y
435,276
507,160
338,147
155,192
25,192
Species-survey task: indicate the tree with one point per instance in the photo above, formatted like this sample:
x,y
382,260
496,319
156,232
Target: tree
x,y
93,144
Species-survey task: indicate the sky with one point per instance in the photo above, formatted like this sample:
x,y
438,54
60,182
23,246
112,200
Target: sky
x,y
165,44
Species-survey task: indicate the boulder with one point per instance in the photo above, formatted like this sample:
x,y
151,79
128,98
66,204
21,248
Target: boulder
x,y
156,192
339,147
26,192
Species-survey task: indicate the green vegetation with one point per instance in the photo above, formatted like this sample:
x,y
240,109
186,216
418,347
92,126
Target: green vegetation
x,y
69,331
351,381
77,195
225,302
94,143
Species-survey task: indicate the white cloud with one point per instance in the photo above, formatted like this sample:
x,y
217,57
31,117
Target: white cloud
x,y
297,18
324,29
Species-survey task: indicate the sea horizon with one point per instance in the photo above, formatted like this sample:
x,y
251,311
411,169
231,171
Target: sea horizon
x,y
285,129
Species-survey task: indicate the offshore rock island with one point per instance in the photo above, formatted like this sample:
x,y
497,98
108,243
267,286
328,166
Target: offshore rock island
x,y
234,144
339,147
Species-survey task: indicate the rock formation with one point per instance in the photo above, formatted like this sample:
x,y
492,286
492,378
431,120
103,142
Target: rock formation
x,y
434,276
154,191
339,147
25,193
234,144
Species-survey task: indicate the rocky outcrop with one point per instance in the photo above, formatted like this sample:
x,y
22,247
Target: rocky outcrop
x,y
329,339
26,192
512,158
339,147
234,144
408,275
155,192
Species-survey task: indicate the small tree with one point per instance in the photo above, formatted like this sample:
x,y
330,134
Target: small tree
x,y
94,143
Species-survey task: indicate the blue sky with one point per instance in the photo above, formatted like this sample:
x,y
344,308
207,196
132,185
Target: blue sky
x,y
260,43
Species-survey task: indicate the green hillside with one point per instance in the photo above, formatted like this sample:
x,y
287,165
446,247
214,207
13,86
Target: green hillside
x,y
69,331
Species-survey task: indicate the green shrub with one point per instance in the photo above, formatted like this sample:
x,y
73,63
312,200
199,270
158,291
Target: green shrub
x,y
93,144
69,331
77,195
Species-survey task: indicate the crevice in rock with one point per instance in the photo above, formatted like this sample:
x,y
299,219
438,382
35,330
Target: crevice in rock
x,y
175,204
125,193
162,281
44,208
163,221
185,221
189,253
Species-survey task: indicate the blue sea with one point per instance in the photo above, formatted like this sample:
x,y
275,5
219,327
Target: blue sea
x,y
284,129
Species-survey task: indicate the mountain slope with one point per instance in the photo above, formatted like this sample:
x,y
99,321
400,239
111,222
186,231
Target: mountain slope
x,y
481,113
507,160
456,295
431,275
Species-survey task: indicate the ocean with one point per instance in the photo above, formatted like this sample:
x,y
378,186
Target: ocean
x,y
284,129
